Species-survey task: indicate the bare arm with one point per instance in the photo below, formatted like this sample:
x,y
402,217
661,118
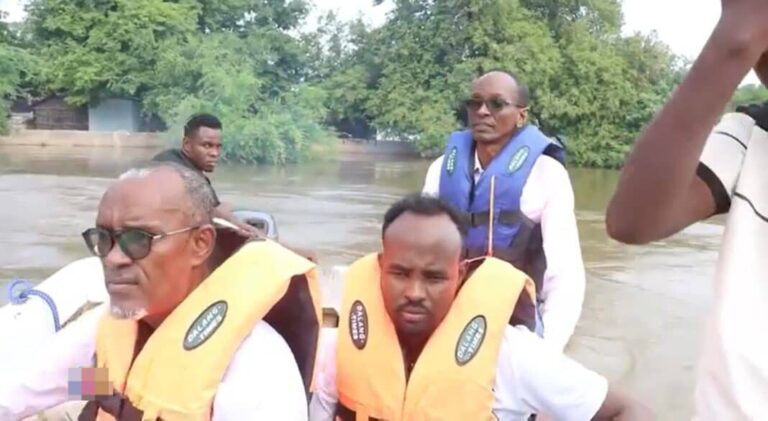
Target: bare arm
x,y
762,69
658,193
620,407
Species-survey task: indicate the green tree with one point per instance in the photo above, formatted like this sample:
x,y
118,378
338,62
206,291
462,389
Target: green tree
x,y
94,49
263,123
588,82
5,32
15,65
237,58
430,51
275,90
342,65
602,18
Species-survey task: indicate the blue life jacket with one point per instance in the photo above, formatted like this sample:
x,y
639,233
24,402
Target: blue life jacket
x,y
516,238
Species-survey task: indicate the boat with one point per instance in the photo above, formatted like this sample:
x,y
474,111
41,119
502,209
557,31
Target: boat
x,y
36,312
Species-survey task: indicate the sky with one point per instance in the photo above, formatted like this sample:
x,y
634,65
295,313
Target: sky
x,y
684,25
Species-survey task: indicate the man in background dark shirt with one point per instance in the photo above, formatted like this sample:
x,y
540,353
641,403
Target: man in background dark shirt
x,y
200,151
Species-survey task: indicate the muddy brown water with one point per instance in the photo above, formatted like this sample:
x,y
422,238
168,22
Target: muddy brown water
x,y
645,307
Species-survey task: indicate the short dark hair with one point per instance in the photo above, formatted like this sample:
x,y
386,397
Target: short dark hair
x,y
523,92
421,204
201,120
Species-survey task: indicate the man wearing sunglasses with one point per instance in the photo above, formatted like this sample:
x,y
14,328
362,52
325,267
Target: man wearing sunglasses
x,y
200,321
510,181
200,151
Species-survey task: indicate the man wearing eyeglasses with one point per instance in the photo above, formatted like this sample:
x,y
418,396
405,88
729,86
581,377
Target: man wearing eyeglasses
x,y
505,171
200,322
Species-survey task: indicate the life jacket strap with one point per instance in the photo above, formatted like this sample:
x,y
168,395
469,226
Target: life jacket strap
x,y
479,219
116,405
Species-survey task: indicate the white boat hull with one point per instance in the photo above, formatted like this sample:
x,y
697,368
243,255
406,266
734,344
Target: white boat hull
x,y
70,288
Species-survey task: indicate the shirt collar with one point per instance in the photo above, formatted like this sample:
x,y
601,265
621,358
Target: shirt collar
x,y
478,166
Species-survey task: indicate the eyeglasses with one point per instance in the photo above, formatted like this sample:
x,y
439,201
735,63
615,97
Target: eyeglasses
x,y
494,105
134,242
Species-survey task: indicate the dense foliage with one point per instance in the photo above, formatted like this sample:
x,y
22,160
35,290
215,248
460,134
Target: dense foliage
x,y
589,84
280,89
15,64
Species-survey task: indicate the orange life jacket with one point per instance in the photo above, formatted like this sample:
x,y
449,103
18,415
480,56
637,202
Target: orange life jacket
x,y
176,374
454,375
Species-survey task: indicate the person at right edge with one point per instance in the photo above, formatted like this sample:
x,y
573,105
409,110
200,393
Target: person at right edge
x,y
687,167
505,163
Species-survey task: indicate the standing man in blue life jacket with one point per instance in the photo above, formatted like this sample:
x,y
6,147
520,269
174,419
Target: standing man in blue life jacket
x,y
510,180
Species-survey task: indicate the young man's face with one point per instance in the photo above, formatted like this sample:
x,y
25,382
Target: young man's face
x,y
203,147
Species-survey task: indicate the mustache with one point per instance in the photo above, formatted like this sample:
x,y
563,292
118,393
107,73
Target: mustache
x,y
119,277
413,307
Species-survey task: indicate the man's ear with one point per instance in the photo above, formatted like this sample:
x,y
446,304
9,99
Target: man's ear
x,y
186,142
203,243
463,268
379,258
523,117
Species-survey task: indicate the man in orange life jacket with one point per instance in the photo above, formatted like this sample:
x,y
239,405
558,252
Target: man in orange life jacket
x,y
426,336
201,325
501,159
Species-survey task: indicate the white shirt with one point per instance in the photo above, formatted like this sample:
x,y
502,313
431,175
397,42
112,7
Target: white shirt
x,y
531,377
733,377
262,381
547,199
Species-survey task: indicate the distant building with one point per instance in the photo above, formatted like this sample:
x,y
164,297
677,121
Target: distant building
x,y
53,113
114,115
21,114
107,115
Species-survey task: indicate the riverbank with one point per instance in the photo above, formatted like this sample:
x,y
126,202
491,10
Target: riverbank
x,y
77,138
344,148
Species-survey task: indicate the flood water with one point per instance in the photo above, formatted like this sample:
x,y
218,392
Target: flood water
x,y
644,311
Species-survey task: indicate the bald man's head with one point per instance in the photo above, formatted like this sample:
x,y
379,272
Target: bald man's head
x,y
197,198
497,108
154,234
510,81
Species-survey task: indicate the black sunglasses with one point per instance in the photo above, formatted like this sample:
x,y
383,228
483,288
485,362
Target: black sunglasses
x,y
494,105
134,242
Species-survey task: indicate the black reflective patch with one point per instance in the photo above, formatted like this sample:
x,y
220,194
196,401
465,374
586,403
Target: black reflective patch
x,y
358,324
